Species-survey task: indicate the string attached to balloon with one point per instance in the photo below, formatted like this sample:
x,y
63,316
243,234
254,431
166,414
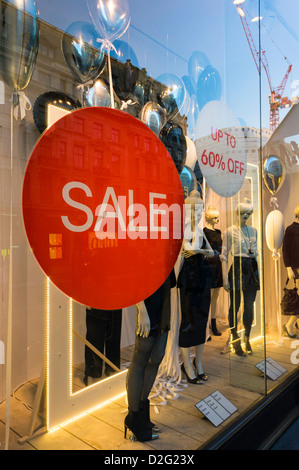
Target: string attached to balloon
x,y
106,44
21,104
274,202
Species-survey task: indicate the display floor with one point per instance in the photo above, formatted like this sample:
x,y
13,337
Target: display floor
x,y
182,426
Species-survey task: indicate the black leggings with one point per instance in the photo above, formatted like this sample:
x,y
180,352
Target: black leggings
x,y
249,296
143,369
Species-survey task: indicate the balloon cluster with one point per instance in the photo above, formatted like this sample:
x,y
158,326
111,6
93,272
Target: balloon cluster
x,y
156,102
203,84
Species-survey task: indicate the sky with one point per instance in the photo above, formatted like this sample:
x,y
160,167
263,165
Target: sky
x,y
164,34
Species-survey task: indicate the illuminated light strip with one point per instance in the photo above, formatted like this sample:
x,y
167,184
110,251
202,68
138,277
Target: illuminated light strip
x,y
48,352
70,346
101,381
101,405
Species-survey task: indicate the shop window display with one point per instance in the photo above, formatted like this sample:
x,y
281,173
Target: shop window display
x,y
243,176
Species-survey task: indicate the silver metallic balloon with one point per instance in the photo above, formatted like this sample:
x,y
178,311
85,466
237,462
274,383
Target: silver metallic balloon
x,y
173,93
274,173
153,116
98,95
19,41
188,180
81,53
110,17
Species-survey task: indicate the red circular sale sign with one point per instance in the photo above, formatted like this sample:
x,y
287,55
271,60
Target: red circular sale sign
x,y
103,208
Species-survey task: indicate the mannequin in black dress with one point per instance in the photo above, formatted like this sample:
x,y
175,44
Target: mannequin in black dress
x,y
194,283
152,325
290,252
215,239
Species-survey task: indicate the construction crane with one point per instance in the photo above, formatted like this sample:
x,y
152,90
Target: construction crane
x,y
276,99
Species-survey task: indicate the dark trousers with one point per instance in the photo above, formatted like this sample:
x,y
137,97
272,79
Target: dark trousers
x,y
249,296
103,331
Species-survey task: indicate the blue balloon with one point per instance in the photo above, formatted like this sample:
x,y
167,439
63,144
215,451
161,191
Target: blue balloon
x,y
209,86
192,116
197,63
125,52
189,85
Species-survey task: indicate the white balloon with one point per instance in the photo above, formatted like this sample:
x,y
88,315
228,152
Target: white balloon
x,y
221,148
274,230
191,157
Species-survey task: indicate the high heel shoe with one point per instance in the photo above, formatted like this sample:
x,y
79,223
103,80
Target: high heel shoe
x,y
236,343
202,376
248,348
135,422
214,328
145,406
191,381
288,334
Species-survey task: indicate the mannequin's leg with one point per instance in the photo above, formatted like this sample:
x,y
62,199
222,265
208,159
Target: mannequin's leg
x,y
249,297
213,309
135,375
154,362
290,324
186,356
198,358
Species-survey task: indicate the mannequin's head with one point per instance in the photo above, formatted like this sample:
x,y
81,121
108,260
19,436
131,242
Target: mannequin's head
x,y
244,210
296,213
212,215
194,206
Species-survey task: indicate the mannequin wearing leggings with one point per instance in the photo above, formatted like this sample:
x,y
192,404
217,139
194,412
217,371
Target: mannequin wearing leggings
x,y
243,276
153,320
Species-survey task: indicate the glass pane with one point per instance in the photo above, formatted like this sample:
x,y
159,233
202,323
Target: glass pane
x,y
280,215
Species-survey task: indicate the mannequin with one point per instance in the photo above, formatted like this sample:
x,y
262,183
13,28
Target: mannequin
x,y
241,241
290,252
194,283
215,239
152,325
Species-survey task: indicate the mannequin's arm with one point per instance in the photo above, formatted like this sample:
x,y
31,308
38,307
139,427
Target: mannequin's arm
x,y
291,274
143,324
223,258
226,285
208,251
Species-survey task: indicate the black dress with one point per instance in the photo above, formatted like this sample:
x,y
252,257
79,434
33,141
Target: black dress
x,y
194,282
215,239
